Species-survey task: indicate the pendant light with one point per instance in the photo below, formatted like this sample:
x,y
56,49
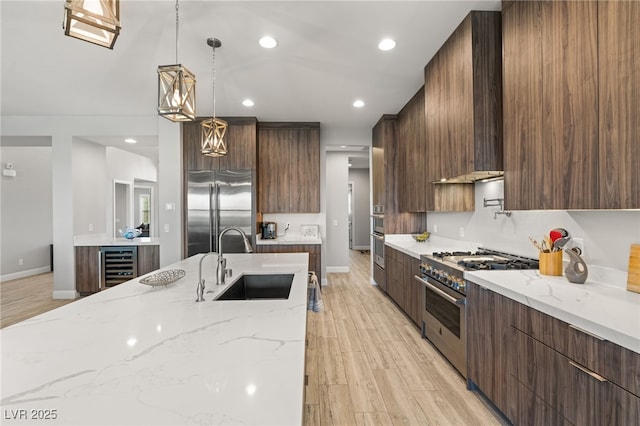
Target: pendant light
x,y
95,21
176,87
213,129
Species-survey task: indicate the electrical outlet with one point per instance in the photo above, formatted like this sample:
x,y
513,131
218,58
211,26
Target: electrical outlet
x,y
435,227
461,232
578,242
20,262
91,227
166,227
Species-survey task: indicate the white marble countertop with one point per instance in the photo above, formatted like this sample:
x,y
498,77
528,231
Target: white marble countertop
x,y
601,306
406,244
103,240
142,355
288,240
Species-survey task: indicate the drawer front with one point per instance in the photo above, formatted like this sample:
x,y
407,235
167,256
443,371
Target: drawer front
x,y
614,362
529,409
580,395
542,327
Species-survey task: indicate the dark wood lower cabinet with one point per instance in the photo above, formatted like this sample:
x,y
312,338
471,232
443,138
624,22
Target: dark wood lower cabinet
x,y
582,396
88,269
401,287
314,250
539,370
148,259
489,335
89,263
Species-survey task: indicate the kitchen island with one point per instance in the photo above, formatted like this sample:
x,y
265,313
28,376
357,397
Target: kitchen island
x,y
143,355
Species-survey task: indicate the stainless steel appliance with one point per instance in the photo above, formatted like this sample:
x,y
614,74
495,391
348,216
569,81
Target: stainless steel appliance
x,y
215,201
269,230
377,235
444,296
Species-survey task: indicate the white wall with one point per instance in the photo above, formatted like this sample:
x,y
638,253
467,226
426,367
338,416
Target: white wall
x,y
361,208
124,166
337,218
90,188
607,234
25,212
61,130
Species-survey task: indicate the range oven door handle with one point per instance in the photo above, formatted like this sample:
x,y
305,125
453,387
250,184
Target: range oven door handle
x,y
378,237
446,296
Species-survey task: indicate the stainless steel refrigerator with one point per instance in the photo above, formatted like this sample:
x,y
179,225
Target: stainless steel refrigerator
x,y
216,200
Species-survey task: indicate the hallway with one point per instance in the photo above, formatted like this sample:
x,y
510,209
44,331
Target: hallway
x,y
367,364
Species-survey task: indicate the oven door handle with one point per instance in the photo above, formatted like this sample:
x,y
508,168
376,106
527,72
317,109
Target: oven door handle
x,y
378,237
447,297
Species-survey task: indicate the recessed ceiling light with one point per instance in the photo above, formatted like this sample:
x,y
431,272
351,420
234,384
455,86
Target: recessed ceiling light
x,y
268,42
358,103
130,140
248,103
387,44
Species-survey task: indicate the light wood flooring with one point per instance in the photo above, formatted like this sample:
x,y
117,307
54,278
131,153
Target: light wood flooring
x,y
368,365
24,298
366,362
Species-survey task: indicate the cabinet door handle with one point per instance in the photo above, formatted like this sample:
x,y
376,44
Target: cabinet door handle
x,y
595,336
99,269
589,372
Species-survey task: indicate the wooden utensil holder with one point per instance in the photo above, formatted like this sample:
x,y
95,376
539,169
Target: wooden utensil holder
x,y
551,263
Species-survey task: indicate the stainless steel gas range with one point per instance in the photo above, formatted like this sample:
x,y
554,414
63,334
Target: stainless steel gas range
x,y
444,296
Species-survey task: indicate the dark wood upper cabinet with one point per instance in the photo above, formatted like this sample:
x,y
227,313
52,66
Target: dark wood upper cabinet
x,y
289,167
415,193
463,101
571,102
241,140
619,104
377,169
395,221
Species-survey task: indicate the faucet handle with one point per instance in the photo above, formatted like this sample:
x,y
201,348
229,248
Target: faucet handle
x,y
228,272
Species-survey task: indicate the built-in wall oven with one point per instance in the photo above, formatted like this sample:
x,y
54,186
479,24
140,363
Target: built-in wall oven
x,y
377,234
444,296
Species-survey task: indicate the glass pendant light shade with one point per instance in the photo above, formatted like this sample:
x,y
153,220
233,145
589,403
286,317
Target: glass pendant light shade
x,y
213,132
176,93
95,21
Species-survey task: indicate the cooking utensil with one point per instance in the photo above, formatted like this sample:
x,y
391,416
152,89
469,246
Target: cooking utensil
x,y
557,233
548,244
560,243
535,244
633,275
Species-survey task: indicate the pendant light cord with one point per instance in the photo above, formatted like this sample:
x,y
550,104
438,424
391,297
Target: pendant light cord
x,y
214,80
177,30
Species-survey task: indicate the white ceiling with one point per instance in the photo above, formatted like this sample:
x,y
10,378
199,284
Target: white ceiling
x,y
326,58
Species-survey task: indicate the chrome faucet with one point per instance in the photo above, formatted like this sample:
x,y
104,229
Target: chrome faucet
x,y
222,270
200,289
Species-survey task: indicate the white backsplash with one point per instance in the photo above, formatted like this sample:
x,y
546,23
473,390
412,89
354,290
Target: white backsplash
x,y
607,234
295,221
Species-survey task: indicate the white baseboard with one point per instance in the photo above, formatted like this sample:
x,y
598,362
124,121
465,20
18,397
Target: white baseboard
x,y
64,294
337,269
24,274
361,248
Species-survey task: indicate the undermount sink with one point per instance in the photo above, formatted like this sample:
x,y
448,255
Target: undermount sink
x,y
259,287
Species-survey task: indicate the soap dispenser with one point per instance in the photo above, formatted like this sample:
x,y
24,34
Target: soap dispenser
x,y
576,271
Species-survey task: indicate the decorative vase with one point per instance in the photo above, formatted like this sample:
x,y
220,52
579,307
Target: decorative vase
x,y
576,271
